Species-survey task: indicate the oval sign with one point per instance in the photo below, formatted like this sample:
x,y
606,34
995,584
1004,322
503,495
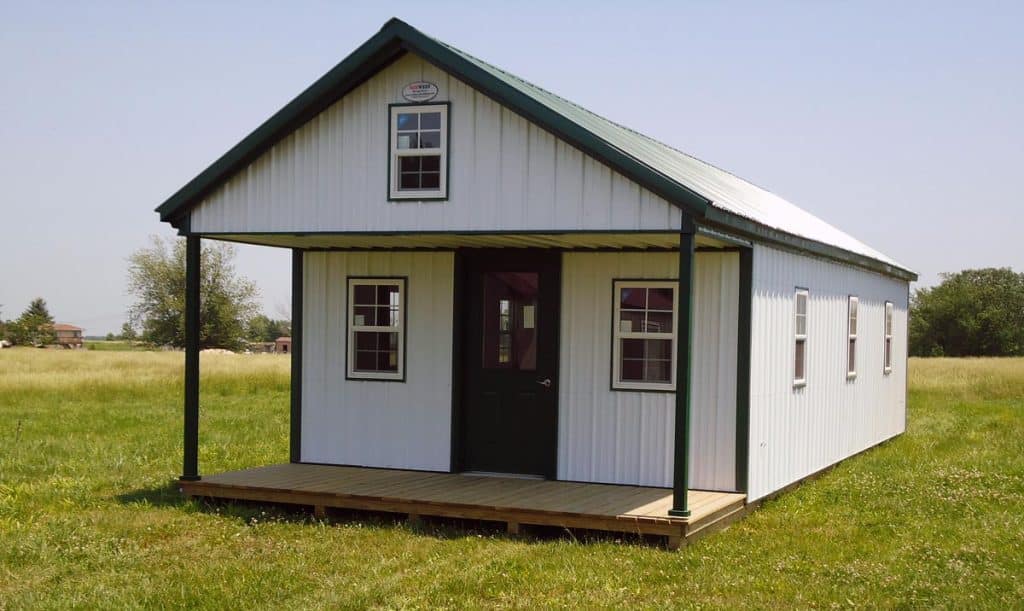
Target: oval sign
x,y
420,91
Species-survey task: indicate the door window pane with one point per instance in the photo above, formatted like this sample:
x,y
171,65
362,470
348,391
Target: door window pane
x,y
509,321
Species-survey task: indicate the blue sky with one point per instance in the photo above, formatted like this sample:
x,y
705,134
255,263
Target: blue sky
x,y
901,123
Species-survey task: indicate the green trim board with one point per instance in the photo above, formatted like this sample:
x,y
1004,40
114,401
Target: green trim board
x,y
684,351
190,458
456,463
744,329
295,422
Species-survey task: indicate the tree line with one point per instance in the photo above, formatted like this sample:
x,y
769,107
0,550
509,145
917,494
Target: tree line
x,y
976,312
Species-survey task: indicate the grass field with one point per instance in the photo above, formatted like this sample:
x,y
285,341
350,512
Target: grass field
x,y
89,517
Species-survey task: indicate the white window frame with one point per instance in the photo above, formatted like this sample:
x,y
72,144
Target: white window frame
x,y
852,316
798,338
350,368
887,338
395,153
618,335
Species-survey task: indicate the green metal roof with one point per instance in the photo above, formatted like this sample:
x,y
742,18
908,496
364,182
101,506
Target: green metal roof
x,y
711,196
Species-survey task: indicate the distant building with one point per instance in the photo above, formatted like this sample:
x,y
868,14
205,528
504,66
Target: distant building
x,y
68,336
283,345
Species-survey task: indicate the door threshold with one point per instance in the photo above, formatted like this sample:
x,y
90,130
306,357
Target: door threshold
x,y
508,475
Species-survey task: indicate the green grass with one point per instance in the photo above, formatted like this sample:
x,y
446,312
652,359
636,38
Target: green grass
x,y
114,345
90,444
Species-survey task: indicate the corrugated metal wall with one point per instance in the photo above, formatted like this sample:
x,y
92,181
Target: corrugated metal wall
x,y
379,424
506,174
797,431
627,436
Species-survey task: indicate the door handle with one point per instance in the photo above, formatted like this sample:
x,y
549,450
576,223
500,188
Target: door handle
x,y
546,382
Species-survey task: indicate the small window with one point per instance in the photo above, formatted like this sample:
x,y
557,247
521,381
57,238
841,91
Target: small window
x,y
644,331
851,330
888,337
419,152
376,323
800,338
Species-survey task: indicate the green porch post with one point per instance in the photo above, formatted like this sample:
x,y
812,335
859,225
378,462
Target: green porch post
x,y
190,470
295,437
681,463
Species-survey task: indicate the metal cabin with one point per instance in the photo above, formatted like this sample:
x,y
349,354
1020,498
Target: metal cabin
x,y
506,307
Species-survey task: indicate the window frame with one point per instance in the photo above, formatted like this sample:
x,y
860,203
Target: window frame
x,y
617,335
351,329
888,318
800,382
394,193
852,326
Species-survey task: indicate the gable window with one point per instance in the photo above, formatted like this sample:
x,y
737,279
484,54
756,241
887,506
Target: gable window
x,y
888,337
800,338
644,335
851,330
419,152
376,328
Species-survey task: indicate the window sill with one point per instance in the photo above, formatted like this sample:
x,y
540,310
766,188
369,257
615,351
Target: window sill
x,y
797,384
417,198
362,377
621,387
851,377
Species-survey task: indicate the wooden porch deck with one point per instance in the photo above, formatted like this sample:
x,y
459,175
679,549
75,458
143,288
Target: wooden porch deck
x,y
515,501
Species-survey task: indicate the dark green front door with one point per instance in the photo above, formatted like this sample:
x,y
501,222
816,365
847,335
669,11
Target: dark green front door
x,y
510,361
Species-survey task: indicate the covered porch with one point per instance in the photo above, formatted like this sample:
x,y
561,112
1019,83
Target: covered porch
x,y
514,501
665,504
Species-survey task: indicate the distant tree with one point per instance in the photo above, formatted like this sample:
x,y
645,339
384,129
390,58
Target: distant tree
x,y
35,325
976,312
128,333
156,277
262,328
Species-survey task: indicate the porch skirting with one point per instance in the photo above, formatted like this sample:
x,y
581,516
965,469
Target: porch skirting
x,y
515,501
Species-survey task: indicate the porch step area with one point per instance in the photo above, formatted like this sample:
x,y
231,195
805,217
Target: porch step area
x,y
515,501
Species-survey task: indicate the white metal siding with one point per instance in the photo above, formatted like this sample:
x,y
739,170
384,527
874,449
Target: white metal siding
x,y
380,424
627,436
795,432
506,174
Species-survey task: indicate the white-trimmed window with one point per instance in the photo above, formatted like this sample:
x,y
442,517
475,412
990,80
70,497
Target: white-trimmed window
x,y
888,338
419,152
800,337
376,328
644,332
851,331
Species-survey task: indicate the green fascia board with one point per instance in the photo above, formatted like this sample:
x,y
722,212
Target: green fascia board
x,y
372,56
743,227
395,38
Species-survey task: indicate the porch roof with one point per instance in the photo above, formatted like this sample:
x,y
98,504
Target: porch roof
x,y
452,240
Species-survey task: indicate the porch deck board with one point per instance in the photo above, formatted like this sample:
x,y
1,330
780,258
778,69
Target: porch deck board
x,y
634,509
